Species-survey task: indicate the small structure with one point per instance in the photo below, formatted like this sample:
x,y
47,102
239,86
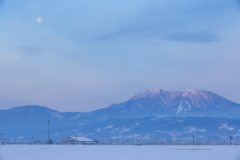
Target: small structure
x,y
38,142
77,140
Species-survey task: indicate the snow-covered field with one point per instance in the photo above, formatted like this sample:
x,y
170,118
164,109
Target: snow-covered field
x,y
121,152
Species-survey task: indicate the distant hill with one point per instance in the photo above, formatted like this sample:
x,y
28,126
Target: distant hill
x,y
143,114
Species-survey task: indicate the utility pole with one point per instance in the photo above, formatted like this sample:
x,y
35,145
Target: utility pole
x,y
32,137
76,137
2,139
48,129
133,138
230,138
193,138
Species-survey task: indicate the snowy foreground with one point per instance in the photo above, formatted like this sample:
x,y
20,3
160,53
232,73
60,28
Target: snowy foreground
x,y
121,152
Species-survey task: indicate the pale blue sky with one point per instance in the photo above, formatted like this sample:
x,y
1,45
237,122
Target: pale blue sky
x,y
86,55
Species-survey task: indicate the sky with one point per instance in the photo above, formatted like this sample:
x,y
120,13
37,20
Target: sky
x,y
82,55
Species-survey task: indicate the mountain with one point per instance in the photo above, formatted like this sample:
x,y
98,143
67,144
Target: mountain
x,y
171,103
168,113
30,119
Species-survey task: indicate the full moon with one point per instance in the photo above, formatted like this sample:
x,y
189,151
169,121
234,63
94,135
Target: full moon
x,y
39,19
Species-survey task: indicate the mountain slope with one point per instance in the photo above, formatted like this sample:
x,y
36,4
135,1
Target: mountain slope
x,y
30,119
171,103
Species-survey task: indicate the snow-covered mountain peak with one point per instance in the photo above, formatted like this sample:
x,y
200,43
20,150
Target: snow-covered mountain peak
x,y
170,95
147,93
197,93
192,91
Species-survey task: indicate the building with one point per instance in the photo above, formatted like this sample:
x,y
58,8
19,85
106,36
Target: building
x,y
77,140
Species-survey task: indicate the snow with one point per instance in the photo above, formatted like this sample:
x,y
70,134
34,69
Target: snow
x,y
224,126
125,130
56,114
191,92
193,129
82,139
108,127
169,96
180,121
146,93
99,129
179,108
189,107
236,135
121,152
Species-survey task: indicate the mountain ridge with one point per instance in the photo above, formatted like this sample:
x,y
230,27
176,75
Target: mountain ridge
x,y
153,109
161,103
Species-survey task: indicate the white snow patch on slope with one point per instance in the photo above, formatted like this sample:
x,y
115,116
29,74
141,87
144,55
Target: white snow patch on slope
x,y
236,135
193,129
125,130
180,121
174,134
55,114
224,126
146,137
99,129
131,136
180,108
189,107
108,127
117,129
